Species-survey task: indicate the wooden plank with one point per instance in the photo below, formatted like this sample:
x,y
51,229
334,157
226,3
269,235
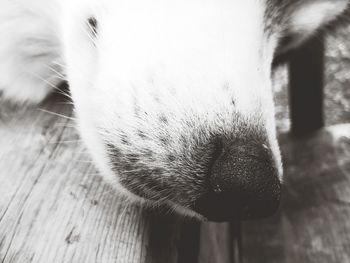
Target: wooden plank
x,y
215,243
220,243
306,70
54,207
313,224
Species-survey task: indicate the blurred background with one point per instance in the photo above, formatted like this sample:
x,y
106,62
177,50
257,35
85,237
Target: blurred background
x,y
337,82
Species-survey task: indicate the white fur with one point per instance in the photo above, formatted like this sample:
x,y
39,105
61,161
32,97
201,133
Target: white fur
x,y
186,62
30,49
195,57
308,17
312,15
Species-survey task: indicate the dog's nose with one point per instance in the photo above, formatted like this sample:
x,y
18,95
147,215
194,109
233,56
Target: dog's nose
x,y
243,183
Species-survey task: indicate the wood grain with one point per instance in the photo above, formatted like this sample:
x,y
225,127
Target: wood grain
x,y
54,207
220,242
314,222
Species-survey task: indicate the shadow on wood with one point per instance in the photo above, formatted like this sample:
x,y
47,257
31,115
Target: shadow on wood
x,y
55,207
313,224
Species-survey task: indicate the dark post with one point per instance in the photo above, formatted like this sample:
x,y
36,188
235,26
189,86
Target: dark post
x,y
236,239
306,68
188,248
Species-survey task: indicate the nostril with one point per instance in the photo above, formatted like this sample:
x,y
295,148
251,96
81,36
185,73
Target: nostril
x,y
243,182
245,167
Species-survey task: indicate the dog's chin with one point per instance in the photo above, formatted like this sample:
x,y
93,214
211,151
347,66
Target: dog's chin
x,y
187,213
111,177
165,207
171,208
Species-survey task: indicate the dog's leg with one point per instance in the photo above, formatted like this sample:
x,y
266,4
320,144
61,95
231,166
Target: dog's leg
x,y
306,67
30,64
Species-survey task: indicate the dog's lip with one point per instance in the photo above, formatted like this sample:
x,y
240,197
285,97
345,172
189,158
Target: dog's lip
x,y
188,212
183,210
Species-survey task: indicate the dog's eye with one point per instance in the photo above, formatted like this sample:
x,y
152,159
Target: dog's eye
x,y
93,26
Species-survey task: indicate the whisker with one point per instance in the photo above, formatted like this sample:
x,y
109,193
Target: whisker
x,y
68,142
44,80
55,71
65,103
59,64
58,114
89,35
57,89
71,126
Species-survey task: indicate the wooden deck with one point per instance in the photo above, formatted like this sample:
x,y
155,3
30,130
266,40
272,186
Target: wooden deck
x,y
55,208
314,221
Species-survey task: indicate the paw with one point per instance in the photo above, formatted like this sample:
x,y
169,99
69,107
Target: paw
x,y
30,51
27,89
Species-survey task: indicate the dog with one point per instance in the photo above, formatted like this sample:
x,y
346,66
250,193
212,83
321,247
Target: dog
x,y
173,98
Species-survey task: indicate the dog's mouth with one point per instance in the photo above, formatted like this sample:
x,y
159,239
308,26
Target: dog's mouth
x,y
228,180
219,205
